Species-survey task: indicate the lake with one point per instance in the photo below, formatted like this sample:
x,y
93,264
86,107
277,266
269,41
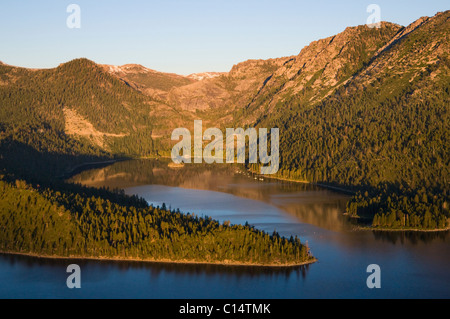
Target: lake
x,y
413,264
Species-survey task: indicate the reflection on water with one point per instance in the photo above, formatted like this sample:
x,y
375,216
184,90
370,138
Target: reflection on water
x,y
307,203
412,237
154,269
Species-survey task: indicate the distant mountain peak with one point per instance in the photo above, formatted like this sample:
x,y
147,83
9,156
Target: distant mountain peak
x,y
127,68
204,75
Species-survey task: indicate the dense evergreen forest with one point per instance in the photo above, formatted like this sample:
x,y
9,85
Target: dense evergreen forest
x,y
353,148
387,141
82,222
33,103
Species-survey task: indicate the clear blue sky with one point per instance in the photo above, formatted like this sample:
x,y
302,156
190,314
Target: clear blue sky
x,y
183,36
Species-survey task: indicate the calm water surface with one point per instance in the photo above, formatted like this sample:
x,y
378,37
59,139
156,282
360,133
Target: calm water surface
x,y
413,265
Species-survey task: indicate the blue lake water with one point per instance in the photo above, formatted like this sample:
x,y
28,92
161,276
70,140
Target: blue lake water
x,y
413,265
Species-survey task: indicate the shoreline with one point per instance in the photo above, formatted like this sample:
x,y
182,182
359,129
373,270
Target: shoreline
x,y
162,261
437,230
285,179
84,166
342,190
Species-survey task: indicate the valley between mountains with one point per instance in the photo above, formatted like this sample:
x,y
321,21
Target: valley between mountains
x,y
366,111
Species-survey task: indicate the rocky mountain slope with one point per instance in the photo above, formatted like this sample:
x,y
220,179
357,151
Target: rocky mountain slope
x,y
149,82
